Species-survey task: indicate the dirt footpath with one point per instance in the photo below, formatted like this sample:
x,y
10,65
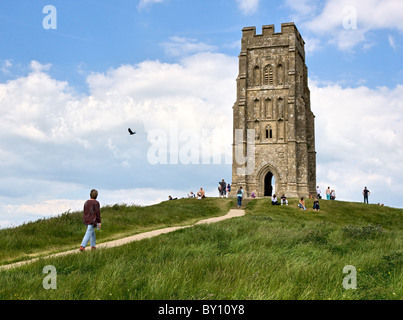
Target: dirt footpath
x,y
115,243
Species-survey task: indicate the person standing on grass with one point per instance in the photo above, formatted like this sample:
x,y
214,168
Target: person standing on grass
x,y
239,195
223,188
328,193
92,219
366,193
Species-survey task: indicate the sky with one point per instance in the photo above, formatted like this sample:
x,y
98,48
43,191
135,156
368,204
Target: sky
x,y
75,75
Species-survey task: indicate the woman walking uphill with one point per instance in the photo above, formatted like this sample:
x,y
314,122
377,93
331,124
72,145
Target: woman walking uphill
x,y
92,219
239,194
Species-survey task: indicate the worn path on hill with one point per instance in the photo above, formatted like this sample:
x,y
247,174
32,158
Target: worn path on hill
x,y
140,236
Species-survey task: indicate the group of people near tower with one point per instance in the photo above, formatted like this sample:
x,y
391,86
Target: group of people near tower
x,y
92,215
330,194
223,191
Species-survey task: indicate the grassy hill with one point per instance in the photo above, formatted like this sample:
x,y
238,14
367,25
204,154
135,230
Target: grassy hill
x,y
64,232
273,252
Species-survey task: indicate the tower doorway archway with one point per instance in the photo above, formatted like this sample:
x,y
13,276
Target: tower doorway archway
x,y
269,183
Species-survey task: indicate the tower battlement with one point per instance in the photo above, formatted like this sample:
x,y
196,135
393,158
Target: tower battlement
x,y
268,32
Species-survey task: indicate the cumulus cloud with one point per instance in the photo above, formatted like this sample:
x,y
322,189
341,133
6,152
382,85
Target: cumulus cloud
x,y
347,24
145,3
180,46
5,66
51,133
359,136
248,6
55,142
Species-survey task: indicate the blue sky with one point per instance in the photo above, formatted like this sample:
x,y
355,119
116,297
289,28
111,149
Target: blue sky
x,y
167,68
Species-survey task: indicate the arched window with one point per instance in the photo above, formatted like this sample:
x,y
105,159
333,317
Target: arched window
x,y
256,108
256,76
269,132
280,108
268,75
268,108
280,75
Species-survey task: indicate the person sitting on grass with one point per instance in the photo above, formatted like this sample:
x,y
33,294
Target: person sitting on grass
x,y
201,194
316,205
301,204
284,200
274,200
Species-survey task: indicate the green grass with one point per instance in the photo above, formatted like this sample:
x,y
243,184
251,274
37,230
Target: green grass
x,y
274,252
66,231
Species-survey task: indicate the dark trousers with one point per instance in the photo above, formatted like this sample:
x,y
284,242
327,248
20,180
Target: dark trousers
x,y
366,199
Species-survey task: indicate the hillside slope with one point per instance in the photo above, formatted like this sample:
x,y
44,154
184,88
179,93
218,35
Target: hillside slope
x,y
274,252
65,232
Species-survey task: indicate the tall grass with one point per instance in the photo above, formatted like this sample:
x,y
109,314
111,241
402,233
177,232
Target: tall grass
x,y
67,230
274,252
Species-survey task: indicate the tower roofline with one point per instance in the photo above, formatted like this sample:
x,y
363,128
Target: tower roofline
x,y
269,30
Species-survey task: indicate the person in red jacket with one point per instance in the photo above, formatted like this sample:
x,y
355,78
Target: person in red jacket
x,y
92,219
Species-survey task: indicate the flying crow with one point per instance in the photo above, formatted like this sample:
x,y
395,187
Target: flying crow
x,y
131,132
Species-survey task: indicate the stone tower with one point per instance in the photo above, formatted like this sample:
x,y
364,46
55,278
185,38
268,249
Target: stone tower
x,y
273,130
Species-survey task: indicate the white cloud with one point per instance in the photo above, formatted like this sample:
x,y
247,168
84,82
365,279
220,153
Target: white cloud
x,y
369,15
37,67
51,134
58,142
16,214
248,6
391,41
303,9
43,209
180,46
153,92
5,66
312,45
144,3
347,23
359,140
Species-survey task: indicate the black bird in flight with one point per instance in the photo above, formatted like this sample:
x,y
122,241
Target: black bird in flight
x,y
131,132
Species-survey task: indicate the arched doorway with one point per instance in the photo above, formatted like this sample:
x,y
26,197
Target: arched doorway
x,y
268,180
269,184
